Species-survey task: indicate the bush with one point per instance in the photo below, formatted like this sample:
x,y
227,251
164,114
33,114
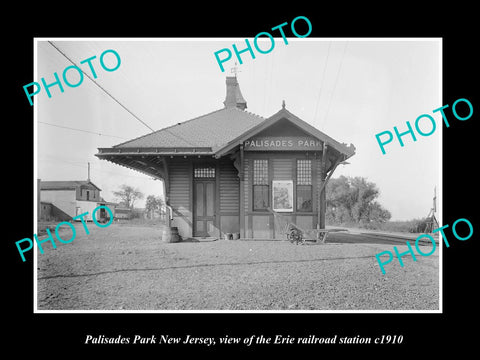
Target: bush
x,y
410,226
353,199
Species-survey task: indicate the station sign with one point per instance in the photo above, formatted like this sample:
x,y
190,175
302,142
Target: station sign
x,y
283,143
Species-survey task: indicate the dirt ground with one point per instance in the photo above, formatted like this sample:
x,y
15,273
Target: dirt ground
x,y
124,267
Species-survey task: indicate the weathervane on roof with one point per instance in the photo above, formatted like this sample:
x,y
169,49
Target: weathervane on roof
x,y
235,69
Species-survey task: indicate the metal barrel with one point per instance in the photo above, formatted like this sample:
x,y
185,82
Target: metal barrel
x,y
170,234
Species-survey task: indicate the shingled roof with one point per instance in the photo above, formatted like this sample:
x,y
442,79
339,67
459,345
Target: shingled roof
x,y
215,133
66,185
212,130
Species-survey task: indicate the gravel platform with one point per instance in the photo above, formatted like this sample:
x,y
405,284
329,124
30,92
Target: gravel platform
x,y
125,267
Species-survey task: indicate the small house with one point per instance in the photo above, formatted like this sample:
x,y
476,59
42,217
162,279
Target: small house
x,y
67,199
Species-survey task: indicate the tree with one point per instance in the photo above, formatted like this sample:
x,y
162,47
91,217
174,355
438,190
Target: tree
x,y
128,195
353,200
152,204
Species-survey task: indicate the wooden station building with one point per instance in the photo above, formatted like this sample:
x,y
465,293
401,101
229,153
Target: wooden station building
x,y
223,171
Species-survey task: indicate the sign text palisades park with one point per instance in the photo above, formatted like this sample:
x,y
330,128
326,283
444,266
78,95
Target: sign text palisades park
x,y
279,143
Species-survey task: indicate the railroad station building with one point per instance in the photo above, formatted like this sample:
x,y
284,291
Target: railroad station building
x,y
226,171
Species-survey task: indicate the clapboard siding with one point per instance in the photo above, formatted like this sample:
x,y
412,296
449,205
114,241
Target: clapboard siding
x,y
318,174
180,185
283,169
246,180
229,188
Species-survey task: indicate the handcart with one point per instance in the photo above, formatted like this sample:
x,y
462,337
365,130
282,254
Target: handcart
x,y
296,234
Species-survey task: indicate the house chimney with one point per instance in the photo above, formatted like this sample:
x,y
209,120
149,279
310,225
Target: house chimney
x,y
234,96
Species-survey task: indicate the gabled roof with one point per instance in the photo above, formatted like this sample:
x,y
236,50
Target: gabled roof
x,y
212,130
217,133
285,114
66,185
214,134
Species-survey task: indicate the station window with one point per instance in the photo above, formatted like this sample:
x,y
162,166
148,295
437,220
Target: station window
x,y
260,185
304,186
204,172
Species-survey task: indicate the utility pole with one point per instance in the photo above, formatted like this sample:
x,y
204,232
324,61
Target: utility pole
x,y
431,219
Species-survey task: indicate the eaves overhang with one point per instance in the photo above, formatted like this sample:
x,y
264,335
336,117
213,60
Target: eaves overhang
x,y
347,151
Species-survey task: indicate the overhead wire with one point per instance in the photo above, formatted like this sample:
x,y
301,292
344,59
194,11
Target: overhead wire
x,y
101,87
334,85
272,76
77,164
322,80
81,130
118,102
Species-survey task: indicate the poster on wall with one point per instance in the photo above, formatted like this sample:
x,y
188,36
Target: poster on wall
x,y
282,195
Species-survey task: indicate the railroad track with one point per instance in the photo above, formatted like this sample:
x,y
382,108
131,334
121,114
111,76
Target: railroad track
x,y
348,237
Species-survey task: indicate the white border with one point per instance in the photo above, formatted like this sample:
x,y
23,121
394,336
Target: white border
x,y
35,177
289,185
440,185
439,191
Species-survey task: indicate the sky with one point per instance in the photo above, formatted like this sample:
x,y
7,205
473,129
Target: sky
x,y
350,89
